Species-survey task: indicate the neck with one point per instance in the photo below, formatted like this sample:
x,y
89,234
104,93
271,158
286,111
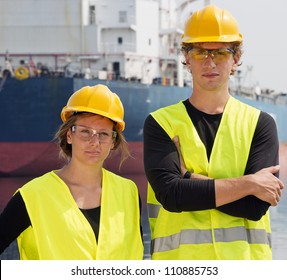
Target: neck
x,y
77,175
208,101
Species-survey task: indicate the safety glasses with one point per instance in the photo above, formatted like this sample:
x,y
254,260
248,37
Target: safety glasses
x,y
86,134
217,55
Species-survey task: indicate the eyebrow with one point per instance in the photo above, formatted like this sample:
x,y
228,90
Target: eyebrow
x,y
93,128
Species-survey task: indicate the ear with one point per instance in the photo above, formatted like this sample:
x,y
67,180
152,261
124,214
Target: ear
x,y
69,136
186,57
113,145
234,65
233,68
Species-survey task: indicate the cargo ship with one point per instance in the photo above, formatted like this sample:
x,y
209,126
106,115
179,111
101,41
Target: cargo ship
x,y
30,113
53,48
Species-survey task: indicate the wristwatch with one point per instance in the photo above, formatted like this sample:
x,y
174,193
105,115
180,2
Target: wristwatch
x,y
187,175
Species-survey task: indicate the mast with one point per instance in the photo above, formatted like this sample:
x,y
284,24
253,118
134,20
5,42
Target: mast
x,y
172,19
181,7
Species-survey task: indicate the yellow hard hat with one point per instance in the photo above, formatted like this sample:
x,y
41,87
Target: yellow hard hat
x,y
97,100
211,24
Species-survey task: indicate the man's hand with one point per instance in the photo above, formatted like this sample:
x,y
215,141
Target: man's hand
x,y
182,163
267,186
263,184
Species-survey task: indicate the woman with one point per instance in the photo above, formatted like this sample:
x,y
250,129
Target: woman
x,y
81,211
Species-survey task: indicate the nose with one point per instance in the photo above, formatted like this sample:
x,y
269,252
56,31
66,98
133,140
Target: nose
x,y
209,62
95,138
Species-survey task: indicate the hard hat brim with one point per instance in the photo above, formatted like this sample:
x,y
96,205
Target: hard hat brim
x,y
69,110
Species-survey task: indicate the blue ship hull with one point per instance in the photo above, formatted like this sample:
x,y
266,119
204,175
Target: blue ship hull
x,y
30,115
31,108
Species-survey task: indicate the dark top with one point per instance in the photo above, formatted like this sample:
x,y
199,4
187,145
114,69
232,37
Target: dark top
x,y
15,219
176,194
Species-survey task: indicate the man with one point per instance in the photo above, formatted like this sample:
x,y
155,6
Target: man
x,y
211,200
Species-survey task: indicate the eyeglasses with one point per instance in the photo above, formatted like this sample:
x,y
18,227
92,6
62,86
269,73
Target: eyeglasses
x,y
217,55
86,134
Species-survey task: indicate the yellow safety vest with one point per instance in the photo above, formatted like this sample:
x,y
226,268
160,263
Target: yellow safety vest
x,y
59,230
209,234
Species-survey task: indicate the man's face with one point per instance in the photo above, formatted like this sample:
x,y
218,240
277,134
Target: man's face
x,y
210,64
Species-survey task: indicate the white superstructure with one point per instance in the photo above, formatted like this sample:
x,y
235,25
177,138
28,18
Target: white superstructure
x,y
119,39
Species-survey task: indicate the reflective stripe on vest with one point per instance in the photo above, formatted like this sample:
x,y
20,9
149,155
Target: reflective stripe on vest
x,y
153,210
193,236
209,234
252,236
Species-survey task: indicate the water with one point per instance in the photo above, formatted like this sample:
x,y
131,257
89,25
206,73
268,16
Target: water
x,y
279,228
278,221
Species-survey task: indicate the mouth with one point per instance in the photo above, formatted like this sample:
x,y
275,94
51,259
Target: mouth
x,y
92,152
210,75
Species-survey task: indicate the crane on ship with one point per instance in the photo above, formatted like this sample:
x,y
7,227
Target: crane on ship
x,y
7,72
185,3
181,7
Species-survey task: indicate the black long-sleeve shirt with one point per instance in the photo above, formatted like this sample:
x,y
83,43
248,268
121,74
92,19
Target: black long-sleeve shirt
x,y
176,194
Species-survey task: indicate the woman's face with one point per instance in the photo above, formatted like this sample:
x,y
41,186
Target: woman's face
x,y
91,138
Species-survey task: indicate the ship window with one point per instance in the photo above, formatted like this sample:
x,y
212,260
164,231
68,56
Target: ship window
x,y
120,40
92,14
122,16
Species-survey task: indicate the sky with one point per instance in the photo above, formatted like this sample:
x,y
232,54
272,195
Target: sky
x,y
263,25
